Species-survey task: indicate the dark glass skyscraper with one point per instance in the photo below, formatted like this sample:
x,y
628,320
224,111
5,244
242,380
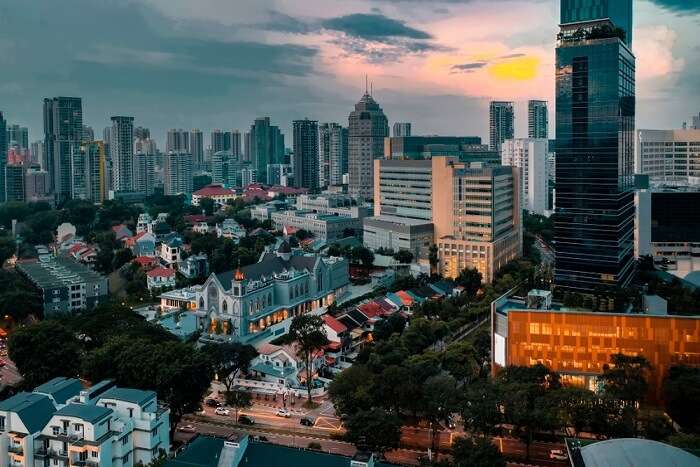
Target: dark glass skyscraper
x,y
305,153
63,129
3,156
595,115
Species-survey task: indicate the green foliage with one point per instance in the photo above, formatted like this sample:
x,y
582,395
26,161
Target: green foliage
x,y
362,255
376,430
207,205
229,359
480,452
200,181
18,297
625,378
43,351
403,256
238,400
7,248
470,279
308,333
682,397
386,327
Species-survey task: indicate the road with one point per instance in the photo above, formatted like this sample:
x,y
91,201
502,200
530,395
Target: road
x,y
546,252
290,432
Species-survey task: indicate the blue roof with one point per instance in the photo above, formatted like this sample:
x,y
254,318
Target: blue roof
x,y
134,396
442,286
87,412
60,388
393,298
35,410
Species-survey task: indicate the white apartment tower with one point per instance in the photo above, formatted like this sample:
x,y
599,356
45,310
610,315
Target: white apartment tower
x,y
530,156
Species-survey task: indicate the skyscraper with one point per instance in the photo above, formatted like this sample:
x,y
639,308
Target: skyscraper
x,y
144,173
88,172
530,156
88,133
264,145
367,128
236,143
3,155
537,119
63,129
220,141
18,135
142,133
14,182
401,129
177,173
595,119
305,140
332,154
197,147
122,153
177,140
501,124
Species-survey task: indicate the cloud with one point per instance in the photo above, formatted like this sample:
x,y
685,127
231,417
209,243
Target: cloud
x,y
376,27
679,6
467,67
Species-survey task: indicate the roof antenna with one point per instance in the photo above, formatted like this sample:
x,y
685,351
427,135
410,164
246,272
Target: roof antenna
x,y
371,89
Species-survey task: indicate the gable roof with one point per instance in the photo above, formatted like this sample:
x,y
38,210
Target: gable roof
x,y
269,264
334,324
134,396
87,412
35,410
214,190
60,388
161,272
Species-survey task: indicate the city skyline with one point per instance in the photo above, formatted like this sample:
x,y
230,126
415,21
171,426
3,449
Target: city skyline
x,y
290,64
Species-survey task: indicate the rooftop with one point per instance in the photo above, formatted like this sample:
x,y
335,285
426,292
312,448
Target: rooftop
x,y
87,412
134,396
34,410
214,190
633,452
60,388
58,272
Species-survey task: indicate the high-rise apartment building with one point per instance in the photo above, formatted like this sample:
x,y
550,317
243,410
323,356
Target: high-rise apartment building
x,y
122,153
88,172
305,141
14,182
144,173
530,156
595,118
401,129
36,152
177,140
63,129
197,147
236,143
668,156
18,135
37,185
88,133
477,217
142,133
501,124
332,154
3,155
226,141
145,146
177,173
696,122
264,145
367,128
537,119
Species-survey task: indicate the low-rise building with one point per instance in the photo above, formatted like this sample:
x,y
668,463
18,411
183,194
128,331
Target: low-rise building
x,y
217,193
170,250
337,204
229,228
201,228
326,227
194,266
282,365
263,212
160,278
142,244
66,286
393,233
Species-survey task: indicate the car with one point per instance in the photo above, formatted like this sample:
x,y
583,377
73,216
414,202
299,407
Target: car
x,y
307,421
450,422
283,413
558,454
248,420
212,403
186,429
222,411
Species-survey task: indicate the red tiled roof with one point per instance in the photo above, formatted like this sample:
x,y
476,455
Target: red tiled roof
x,y
214,190
144,260
194,218
334,324
76,248
407,299
370,309
161,272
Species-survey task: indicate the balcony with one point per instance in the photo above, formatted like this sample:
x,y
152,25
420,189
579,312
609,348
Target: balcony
x,y
16,449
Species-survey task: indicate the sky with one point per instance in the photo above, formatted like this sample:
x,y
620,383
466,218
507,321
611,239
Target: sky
x,y
220,63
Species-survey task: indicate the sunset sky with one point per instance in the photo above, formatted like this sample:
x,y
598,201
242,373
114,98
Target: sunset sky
x,y
221,63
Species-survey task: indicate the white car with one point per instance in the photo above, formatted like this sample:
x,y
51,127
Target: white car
x,y
221,411
283,413
558,454
186,429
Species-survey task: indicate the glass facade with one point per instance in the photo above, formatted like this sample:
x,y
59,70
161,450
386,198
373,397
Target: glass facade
x,y
617,11
595,117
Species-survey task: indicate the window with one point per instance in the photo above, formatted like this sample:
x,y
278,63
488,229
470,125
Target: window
x,y
93,454
125,440
55,430
2,423
131,412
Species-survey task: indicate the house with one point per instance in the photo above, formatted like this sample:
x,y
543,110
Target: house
x,y
201,228
146,262
122,232
335,330
160,278
142,244
83,253
281,364
170,249
194,266
144,223
217,193
161,230
229,228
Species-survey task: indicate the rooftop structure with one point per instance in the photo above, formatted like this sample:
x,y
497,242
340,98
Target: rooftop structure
x,y
628,452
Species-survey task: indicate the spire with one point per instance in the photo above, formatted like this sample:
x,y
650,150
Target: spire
x,y
238,276
366,83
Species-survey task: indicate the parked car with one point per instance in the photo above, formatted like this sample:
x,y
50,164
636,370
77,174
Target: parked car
x,y
222,411
450,422
186,429
558,454
283,413
247,420
307,421
212,403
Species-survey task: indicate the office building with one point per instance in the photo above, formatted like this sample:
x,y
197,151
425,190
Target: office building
x,y
177,140
145,173
530,156
401,129
427,147
88,172
367,128
305,140
332,154
403,189
36,152
279,174
325,227
595,117
501,124
88,134
37,184
3,155
668,156
197,147
142,133
578,344
395,234
145,146
537,119
264,146
478,223
122,153
14,182
63,128
65,285
337,204
229,141
696,122
246,176
281,285
62,423
177,173
18,135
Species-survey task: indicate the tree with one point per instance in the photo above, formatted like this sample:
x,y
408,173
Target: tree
x,y
682,397
353,390
576,408
7,248
403,256
459,359
43,351
433,258
375,430
362,255
386,327
229,359
19,298
480,452
207,205
625,379
308,333
470,279
238,400
441,398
